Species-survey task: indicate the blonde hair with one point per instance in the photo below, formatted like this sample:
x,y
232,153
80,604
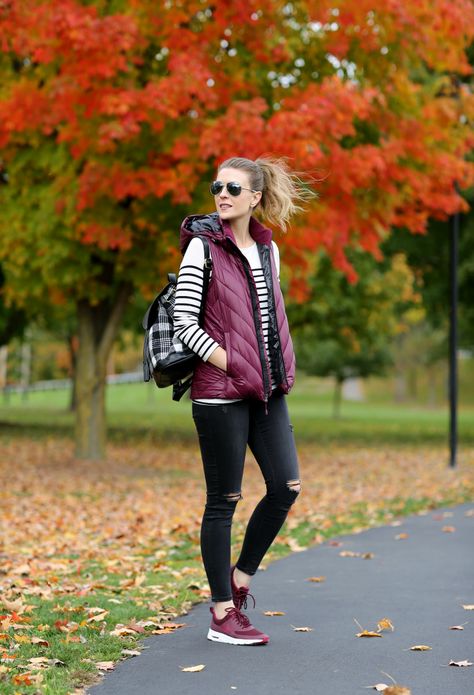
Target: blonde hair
x,y
282,189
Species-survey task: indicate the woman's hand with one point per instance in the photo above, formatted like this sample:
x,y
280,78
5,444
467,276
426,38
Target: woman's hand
x,y
219,358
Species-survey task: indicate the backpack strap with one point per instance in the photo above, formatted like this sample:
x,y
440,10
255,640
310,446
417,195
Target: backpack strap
x,y
180,387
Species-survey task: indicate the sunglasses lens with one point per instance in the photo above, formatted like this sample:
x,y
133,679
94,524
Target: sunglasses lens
x,y
234,188
216,187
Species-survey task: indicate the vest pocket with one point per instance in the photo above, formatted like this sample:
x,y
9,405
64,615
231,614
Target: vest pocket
x,y
228,352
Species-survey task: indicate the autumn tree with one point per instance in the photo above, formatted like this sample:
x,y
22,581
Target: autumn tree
x,y
12,320
429,257
113,116
346,330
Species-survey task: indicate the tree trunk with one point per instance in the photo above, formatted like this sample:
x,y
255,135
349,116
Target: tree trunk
x,y
97,329
400,381
400,385
73,358
4,372
25,369
3,366
336,404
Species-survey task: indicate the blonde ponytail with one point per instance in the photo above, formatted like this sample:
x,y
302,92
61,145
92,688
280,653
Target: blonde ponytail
x,y
282,189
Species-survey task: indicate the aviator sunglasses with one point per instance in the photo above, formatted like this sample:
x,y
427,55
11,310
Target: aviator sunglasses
x,y
233,188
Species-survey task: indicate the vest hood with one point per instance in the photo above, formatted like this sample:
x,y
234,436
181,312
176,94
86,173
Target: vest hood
x,y
213,227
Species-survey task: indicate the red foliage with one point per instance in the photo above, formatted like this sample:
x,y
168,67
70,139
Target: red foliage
x,y
147,99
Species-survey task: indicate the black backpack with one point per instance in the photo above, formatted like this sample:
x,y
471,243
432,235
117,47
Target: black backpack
x,y
165,357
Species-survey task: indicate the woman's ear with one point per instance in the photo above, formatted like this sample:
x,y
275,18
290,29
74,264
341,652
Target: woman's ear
x,y
256,202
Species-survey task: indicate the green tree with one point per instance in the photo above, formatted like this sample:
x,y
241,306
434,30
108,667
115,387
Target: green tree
x,y
114,115
429,257
346,329
13,320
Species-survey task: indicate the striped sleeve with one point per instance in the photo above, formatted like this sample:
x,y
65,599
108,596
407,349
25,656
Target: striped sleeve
x,y
188,302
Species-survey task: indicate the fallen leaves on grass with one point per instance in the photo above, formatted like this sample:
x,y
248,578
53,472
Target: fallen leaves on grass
x,y
139,627
44,661
101,615
28,678
105,665
294,546
106,534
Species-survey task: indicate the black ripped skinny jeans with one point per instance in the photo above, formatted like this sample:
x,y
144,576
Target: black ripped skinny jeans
x,y
224,432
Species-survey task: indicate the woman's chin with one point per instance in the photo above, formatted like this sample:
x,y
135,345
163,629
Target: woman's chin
x,y
228,215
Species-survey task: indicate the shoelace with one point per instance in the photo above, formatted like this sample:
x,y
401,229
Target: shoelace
x,y
239,616
242,595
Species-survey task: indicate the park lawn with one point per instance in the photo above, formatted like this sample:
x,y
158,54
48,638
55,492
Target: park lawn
x,y
96,556
141,411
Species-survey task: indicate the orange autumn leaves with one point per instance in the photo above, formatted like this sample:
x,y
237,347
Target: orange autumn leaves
x,y
134,102
131,511
383,624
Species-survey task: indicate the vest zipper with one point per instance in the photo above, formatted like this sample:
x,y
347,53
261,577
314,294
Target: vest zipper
x,y
257,318
281,358
280,351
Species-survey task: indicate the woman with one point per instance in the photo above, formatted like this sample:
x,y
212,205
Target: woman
x,y
247,366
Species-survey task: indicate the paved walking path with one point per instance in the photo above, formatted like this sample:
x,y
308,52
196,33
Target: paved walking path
x,y
420,583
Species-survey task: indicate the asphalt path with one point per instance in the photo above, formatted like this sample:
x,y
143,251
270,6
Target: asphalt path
x,y
420,582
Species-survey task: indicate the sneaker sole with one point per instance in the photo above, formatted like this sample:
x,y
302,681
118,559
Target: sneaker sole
x,y
227,639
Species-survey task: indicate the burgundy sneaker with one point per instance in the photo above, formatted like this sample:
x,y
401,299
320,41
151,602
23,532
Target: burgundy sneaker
x,y
235,628
239,593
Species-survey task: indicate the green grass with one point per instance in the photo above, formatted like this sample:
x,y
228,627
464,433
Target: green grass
x,y
140,411
91,642
145,412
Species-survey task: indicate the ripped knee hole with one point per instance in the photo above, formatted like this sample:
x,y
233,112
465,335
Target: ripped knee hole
x,y
233,496
294,485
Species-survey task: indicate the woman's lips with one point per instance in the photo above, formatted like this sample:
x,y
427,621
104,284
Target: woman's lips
x,y
224,206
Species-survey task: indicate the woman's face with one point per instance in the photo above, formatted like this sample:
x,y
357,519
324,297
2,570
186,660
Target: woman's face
x,y
232,207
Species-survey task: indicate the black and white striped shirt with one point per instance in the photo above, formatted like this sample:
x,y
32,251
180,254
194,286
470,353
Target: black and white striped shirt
x,y
189,298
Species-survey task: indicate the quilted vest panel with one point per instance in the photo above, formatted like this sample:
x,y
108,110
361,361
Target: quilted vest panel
x,y
232,317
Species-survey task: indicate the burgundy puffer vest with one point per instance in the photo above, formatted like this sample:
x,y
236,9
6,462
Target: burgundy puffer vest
x,y
232,316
